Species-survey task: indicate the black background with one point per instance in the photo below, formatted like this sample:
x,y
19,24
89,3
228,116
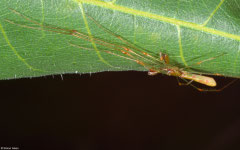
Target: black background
x,y
116,111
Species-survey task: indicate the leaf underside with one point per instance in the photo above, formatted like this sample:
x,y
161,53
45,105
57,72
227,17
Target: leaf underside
x,y
187,31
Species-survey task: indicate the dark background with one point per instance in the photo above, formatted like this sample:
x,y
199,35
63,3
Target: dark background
x,y
117,111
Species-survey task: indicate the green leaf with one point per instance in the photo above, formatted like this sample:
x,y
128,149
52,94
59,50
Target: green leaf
x,y
187,31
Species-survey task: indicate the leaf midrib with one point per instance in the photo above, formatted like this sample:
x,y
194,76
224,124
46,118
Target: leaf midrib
x,y
181,23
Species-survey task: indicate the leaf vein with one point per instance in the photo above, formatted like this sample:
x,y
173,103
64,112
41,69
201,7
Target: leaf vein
x,y
91,37
180,46
15,51
214,12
